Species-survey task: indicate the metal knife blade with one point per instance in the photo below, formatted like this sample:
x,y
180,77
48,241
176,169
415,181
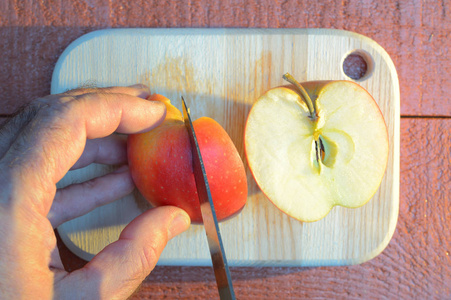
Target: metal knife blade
x,y
220,266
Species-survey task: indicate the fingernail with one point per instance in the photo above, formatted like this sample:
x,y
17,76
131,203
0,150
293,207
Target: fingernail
x,y
179,224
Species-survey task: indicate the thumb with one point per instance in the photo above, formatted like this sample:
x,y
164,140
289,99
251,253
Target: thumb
x,y
117,271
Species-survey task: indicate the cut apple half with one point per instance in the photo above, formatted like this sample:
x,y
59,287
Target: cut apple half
x,y
309,157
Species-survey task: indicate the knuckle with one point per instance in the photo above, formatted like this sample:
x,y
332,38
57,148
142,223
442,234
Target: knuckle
x,y
148,258
150,253
90,185
54,104
139,262
94,190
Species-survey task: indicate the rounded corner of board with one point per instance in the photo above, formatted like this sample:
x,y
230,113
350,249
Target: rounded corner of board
x,y
54,86
73,247
378,250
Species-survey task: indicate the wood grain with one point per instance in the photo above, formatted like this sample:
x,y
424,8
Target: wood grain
x,y
221,72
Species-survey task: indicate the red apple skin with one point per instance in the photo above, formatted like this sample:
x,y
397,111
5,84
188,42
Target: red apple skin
x,y
161,165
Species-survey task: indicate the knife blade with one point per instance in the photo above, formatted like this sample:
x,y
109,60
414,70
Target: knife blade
x,y
218,258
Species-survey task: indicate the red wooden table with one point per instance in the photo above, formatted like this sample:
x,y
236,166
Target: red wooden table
x,y
416,34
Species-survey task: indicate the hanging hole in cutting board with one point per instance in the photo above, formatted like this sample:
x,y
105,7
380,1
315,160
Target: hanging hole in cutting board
x,y
358,65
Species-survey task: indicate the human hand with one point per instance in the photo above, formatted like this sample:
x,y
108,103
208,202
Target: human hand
x,y
37,148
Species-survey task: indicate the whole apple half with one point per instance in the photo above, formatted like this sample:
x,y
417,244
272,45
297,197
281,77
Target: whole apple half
x,y
309,157
161,165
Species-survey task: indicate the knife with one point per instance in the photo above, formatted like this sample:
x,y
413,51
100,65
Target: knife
x,y
218,258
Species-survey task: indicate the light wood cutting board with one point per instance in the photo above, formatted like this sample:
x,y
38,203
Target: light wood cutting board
x,y
221,72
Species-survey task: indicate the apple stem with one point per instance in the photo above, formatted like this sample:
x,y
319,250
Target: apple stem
x,y
304,95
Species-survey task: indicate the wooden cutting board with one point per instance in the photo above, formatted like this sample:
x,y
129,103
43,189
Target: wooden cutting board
x,y
221,72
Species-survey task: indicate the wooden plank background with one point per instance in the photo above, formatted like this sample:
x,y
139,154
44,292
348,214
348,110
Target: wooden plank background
x,y
416,34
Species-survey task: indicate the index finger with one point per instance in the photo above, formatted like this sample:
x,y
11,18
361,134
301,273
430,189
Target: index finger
x,y
54,139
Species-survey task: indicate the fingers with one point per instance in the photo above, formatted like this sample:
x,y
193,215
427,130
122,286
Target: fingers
x,y
110,150
11,129
104,110
119,269
47,147
78,199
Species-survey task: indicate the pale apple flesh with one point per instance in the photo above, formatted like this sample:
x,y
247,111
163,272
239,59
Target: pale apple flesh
x,y
306,167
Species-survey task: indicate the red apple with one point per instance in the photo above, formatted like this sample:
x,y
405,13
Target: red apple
x,y
161,165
